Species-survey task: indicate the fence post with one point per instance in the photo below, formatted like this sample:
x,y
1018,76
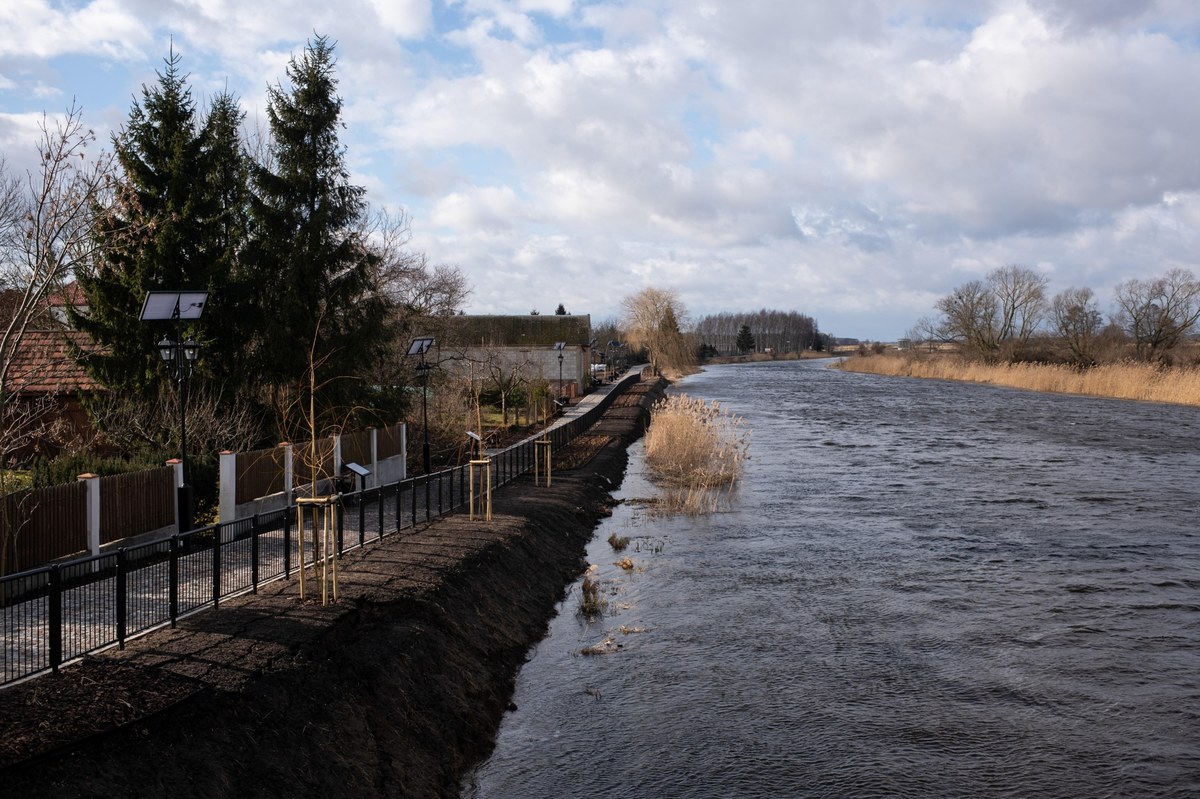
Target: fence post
x,y
216,566
399,502
340,510
379,507
287,542
121,593
173,579
254,554
228,486
92,481
55,613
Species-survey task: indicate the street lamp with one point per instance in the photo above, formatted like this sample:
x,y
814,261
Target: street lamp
x,y
559,345
419,347
180,359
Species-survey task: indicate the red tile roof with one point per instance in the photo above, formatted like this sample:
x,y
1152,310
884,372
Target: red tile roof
x,y
43,364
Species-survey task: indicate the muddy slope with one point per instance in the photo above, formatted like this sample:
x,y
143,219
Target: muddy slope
x,y
395,691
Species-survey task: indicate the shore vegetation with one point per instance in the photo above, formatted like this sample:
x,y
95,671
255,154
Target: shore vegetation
x,y
1007,330
1129,380
696,452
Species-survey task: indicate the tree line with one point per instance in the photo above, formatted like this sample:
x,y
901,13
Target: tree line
x,y
1008,315
779,331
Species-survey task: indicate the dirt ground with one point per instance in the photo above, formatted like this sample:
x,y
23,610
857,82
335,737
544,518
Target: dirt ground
x,y
396,690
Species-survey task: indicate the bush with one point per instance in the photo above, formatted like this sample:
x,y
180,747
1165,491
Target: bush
x,y
67,467
695,451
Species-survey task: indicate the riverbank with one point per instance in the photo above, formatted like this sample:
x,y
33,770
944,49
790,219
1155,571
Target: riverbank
x,y
396,690
1129,381
763,357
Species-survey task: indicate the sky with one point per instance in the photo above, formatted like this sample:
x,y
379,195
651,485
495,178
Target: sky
x,y
853,160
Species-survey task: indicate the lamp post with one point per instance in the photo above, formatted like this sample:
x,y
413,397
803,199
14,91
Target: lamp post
x,y
560,345
180,359
179,356
419,347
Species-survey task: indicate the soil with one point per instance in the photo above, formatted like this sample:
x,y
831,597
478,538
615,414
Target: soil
x,y
397,689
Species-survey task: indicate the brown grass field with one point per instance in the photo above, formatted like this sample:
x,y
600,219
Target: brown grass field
x,y
1128,380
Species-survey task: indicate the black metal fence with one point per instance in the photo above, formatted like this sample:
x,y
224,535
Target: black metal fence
x,y
59,613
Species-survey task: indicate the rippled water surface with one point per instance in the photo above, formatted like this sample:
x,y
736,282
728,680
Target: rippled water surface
x,y
922,589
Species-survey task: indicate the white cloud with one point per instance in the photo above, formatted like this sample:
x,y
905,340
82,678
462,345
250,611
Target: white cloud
x,y
852,160
102,27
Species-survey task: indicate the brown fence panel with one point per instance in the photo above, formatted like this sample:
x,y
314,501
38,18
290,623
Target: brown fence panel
x,y
302,468
40,525
356,447
136,503
388,441
259,473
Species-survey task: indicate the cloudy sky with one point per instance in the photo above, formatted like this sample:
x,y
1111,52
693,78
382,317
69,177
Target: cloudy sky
x,y
852,160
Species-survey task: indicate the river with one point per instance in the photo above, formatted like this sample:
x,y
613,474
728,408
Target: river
x,y
922,588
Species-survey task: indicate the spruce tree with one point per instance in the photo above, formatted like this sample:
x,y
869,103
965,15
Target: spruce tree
x,y
229,319
313,269
147,237
745,339
168,228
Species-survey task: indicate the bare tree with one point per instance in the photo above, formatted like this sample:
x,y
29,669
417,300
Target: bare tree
x,y
968,317
1021,299
1077,321
413,285
653,319
1158,313
1001,311
45,232
925,332
508,371
151,424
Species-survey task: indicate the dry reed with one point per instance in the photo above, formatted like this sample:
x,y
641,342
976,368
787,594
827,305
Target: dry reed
x,y
1126,380
696,452
591,603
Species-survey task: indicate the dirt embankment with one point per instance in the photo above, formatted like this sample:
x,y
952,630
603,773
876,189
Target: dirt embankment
x,y
396,690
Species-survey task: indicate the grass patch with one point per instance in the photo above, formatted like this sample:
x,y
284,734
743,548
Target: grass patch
x,y
695,452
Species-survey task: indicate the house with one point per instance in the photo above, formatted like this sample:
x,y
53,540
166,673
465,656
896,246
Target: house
x,y
44,383
527,343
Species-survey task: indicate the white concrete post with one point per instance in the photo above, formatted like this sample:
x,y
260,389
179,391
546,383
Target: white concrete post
x,y
289,484
337,462
404,451
374,481
93,511
178,465
228,484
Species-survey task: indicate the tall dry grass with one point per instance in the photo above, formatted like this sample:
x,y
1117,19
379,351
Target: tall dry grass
x,y
695,452
1131,381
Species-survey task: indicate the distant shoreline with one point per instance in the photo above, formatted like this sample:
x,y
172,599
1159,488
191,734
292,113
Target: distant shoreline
x,y
1140,382
762,357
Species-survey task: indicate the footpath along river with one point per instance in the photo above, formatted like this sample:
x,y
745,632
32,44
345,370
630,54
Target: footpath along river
x,y
922,589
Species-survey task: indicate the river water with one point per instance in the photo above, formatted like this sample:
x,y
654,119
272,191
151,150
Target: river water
x,y
921,589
